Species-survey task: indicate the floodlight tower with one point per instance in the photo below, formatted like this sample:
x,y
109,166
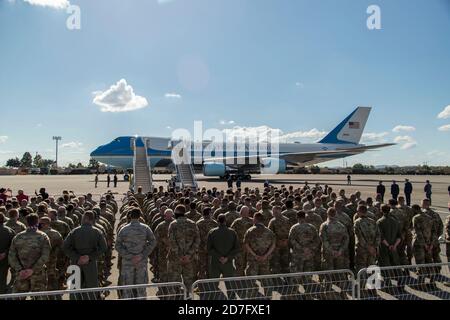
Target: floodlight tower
x,y
57,139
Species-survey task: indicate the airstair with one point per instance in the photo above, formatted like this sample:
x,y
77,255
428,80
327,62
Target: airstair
x,y
185,174
142,176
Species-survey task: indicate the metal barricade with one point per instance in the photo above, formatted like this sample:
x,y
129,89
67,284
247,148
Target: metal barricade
x,y
318,285
154,291
411,282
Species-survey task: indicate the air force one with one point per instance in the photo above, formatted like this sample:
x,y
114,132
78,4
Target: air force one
x,y
341,142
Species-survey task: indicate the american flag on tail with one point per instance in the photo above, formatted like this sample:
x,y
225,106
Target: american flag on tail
x,y
353,125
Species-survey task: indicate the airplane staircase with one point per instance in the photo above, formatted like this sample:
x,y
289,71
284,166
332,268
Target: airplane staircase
x,y
142,176
185,172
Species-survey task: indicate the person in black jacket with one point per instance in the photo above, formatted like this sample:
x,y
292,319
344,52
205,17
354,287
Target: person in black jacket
x,y
395,190
381,190
427,190
408,191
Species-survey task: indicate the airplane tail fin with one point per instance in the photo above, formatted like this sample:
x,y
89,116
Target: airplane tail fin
x,y
350,130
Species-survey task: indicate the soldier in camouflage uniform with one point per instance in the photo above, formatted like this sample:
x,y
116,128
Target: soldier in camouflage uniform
x,y
240,226
135,242
439,230
409,214
344,218
305,243
232,214
204,225
367,240
280,226
184,243
447,237
13,222
28,255
319,209
193,214
335,242
259,243
423,233
6,236
403,221
162,249
290,212
266,212
335,239
56,242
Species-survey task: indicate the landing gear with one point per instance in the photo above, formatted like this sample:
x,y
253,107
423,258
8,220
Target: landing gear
x,y
234,177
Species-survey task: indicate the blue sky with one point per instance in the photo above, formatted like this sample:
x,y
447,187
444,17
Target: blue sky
x,y
297,65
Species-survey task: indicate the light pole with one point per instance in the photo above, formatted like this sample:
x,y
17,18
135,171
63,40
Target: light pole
x,y
56,138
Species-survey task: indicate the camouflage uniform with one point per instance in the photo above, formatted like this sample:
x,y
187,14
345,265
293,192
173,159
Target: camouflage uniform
x,y
439,229
367,235
348,223
291,214
334,236
135,239
204,225
30,250
447,237
53,274
321,211
184,241
260,239
303,236
162,249
6,236
193,215
241,225
230,216
423,235
279,261
267,216
15,225
403,221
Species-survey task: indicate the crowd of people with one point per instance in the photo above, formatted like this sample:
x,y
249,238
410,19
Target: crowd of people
x,y
209,233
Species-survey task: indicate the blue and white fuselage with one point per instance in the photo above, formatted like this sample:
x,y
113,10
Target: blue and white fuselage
x,y
341,142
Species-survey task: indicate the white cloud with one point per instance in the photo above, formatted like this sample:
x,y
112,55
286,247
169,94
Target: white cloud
x,y
400,128
444,128
311,134
172,96
445,114
55,4
406,141
300,85
374,137
169,127
72,145
120,97
265,133
3,139
224,122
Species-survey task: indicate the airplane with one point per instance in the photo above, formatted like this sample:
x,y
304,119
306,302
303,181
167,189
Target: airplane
x,y
343,141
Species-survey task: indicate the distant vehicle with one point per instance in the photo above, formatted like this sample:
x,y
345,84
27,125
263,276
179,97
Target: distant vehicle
x,y
34,171
342,141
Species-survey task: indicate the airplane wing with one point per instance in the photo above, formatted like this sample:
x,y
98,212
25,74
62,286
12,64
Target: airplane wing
x,y
372,147
285,156
298,157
